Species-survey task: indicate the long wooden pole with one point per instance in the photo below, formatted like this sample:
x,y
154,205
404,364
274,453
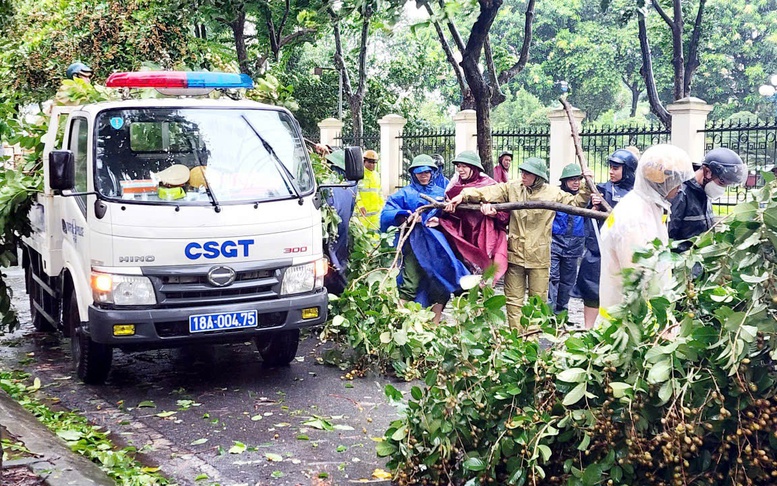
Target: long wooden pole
x,y
579,150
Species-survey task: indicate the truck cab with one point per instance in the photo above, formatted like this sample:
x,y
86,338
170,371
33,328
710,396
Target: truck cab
x,y
165,222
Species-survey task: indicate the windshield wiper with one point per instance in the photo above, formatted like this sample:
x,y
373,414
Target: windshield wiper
x,y
212,196
277,159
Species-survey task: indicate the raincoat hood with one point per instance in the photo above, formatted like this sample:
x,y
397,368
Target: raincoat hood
x,y
661,169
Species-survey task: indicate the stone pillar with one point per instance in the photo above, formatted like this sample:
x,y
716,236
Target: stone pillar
x,y
466,131
330,129
390,165
562,145
689,116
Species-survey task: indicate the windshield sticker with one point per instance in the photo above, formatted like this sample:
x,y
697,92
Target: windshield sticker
x,y
117,122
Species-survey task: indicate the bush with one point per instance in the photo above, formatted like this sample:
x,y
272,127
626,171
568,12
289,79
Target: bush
x,y
673,389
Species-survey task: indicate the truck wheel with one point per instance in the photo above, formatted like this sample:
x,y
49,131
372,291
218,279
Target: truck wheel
x,y
92,360
278,348
36,293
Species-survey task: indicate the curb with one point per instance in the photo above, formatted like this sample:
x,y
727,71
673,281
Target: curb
x,y
53,461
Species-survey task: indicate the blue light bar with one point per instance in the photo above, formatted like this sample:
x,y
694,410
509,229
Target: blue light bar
x,y
218,80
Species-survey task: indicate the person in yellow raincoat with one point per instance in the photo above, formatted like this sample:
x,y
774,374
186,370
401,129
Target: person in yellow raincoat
x,y
530,230
369,200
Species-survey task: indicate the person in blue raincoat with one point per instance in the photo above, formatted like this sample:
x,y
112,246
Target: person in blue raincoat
x,y
430,271
567,246
343,200
623,166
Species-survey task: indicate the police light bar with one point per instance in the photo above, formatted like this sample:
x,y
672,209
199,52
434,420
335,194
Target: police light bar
x,y
179,79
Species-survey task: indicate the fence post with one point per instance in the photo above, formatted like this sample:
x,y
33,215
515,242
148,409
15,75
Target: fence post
x,y
390,152
689,117
466,131
561,145
330,129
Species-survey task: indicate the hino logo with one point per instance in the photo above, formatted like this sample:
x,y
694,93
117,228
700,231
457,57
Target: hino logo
x,y
221,276
136,259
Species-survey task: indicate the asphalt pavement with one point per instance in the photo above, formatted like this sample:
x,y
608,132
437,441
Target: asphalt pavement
x,y
211,414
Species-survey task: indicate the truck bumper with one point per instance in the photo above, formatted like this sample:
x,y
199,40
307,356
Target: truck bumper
x,y
168,328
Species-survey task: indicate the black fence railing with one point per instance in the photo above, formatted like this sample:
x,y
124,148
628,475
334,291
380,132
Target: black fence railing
x,y
522,142
366,142
425,141
599,142
754,140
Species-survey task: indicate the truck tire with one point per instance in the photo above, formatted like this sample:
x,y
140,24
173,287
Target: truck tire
x,y
92,360
36,295
278,348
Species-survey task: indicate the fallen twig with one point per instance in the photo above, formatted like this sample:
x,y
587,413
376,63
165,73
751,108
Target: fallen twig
x,y
519,205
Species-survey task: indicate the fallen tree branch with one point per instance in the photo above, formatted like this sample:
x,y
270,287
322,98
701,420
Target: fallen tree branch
x,y
513,206
579,150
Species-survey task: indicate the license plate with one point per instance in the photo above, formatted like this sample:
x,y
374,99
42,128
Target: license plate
x,y
222,321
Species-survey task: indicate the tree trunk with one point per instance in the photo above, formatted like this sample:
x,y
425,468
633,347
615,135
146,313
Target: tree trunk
x,y
483,119
656,107
634,88
238,31
693,50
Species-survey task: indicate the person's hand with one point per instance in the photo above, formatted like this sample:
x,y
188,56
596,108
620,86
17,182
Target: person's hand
x,y
450,206
432,222
596,200
488,210
363,211
413,218
321,149
588,173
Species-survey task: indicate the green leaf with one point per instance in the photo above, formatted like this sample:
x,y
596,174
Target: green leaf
x,y
392,393
619,388
592,475
416,393
572,375
659,373
384,448
474,464
147,404
575,394
277,474
237,448
273,457
70,435
199,441
545,452
319,423
399,434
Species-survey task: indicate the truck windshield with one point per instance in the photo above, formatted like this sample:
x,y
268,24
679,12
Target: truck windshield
x,y
199,155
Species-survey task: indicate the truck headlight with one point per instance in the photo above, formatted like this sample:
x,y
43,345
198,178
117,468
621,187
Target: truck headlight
x,y
304,278
122,289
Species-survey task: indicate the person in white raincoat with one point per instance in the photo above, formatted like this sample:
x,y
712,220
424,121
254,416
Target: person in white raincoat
x,y
640,218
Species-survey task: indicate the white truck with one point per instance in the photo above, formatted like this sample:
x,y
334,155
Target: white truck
x,y
166,222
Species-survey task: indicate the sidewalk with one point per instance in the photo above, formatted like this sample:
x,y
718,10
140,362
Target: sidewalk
x,y
53,461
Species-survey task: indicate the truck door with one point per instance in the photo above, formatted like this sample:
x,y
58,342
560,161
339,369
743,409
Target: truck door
x,y
74,209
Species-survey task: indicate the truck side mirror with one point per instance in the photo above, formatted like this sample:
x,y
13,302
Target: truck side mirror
x,y
62,170
354,164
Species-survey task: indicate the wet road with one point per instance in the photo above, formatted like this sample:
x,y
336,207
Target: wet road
x,y
217,414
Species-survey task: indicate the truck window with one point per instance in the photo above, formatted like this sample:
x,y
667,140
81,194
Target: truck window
x,y
236,153
77,143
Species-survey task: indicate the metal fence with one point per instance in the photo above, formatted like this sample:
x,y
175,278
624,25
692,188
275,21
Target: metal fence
x,y
522,142
599,142
427,141
754,140
369,140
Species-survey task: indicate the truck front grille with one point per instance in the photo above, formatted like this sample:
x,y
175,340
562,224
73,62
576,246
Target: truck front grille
x,y
193,289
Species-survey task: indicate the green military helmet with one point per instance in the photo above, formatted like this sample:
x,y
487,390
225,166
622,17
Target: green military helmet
x,y
536,166
422,160
571,170
337,159
470,158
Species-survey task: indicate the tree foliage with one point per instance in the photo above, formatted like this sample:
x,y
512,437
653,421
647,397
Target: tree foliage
x,y
677,388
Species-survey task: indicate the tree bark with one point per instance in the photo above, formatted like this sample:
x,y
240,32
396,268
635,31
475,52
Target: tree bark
x,y
238,32
693,50
476,80
520,205
467,101
516,68
635,91
656,107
